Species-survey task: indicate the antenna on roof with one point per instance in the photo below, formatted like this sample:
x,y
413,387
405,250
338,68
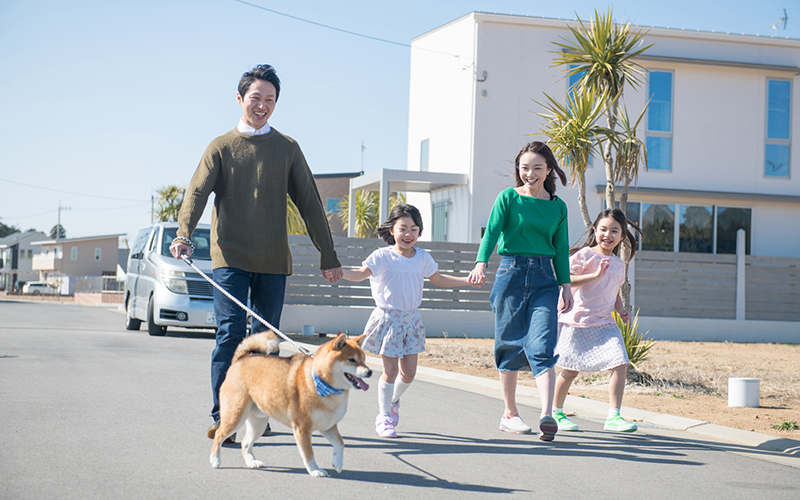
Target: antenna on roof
x,y
780,23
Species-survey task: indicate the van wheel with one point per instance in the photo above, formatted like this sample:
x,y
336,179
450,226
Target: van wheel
x,y
152,328
131,323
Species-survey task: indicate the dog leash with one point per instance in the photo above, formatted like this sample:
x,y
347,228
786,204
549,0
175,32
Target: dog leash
x,y
252,313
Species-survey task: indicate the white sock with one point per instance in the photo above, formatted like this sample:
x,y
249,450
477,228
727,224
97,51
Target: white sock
x,y
384,400
399,389
613,412
558,410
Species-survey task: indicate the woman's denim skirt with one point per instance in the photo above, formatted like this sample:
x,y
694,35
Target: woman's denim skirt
x,y
524,299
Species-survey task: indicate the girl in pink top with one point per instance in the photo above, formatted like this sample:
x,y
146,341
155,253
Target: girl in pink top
x,y
588,337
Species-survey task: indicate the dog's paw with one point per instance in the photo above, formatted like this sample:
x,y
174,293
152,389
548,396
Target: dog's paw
x,y
254,464
318,473
338,462
214,461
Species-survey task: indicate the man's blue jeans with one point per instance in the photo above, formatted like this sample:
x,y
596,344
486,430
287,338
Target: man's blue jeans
x,y
266,300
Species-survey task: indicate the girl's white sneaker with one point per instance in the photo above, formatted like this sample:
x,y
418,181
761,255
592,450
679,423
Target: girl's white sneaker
x,y
514,425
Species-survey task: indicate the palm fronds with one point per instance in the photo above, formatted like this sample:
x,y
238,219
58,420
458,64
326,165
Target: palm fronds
x,y
635,343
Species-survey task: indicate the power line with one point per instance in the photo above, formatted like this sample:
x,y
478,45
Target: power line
x,y
69,192
334,28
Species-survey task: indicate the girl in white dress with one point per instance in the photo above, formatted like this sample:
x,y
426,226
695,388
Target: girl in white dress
x,y
394,329
588,337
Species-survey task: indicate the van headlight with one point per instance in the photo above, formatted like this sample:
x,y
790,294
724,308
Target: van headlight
x,y
172,280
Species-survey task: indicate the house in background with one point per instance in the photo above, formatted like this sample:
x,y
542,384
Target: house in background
x,y
721,131
16,258
61,262
332,189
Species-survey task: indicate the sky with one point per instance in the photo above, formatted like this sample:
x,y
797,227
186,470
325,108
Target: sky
x,y
102,103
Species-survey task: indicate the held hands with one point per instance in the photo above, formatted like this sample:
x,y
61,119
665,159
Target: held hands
x,y
332,275
477,277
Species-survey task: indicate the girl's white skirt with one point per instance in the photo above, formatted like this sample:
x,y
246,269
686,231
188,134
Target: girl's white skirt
x,y
394,333
591,348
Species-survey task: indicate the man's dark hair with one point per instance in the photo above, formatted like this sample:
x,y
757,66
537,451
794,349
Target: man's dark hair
x,y
261,72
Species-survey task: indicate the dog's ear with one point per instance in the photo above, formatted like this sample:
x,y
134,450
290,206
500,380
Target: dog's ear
x,y
360,339
340,342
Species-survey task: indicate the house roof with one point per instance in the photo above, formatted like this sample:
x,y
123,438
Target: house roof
x,y
75,240
15,238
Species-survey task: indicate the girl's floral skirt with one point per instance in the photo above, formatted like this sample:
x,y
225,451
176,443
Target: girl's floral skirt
x,y
394,333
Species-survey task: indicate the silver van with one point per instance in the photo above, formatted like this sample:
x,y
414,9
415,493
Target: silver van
x,y
163,291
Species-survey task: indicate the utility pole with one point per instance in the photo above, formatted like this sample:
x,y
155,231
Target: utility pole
x,y
58,227
362,157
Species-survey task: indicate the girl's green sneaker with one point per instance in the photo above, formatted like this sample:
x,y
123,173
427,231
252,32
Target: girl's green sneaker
x,y
619,424
564,424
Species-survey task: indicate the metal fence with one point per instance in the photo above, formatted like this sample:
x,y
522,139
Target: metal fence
x,y
99,284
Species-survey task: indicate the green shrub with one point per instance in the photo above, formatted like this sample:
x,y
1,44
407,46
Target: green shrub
x,y
635,344
786,426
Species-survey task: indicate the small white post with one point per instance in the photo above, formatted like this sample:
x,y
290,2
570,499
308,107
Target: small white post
x,y
351,212
740,276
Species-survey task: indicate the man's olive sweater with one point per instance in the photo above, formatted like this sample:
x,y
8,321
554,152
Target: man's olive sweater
x,y
250,177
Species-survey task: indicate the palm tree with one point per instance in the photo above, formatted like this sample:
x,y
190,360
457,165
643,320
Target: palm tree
x,y
603,53
573,135
294,221
170,199
367,207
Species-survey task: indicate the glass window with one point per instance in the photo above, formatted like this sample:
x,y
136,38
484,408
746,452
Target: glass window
x,y
659,121
96,254
201,239
659,113
439,232
658,152
658,226
729,221
332,205
423,155
776,151
574,78
695,233
74,253
778,101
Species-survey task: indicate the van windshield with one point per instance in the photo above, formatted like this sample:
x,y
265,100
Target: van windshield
x,y
201,239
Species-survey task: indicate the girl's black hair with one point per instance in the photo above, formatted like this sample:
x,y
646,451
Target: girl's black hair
x,y
399,210
627,237
542,149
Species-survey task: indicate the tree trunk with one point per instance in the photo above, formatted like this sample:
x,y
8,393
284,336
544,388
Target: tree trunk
x,y
624,253
587,221
608,159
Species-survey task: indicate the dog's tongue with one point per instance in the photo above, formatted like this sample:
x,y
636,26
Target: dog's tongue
x,y
361,384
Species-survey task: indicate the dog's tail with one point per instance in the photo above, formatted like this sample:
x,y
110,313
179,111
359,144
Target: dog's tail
x,y
260,343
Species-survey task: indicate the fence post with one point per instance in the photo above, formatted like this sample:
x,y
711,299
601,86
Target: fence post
x,y
740,275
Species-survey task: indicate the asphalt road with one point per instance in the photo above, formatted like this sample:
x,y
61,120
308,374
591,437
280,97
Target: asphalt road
x,y
90,410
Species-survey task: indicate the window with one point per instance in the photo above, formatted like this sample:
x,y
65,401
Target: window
x,y
74,253
439,232
729,221
30,254
696,232
424,148
332,205
776,150
658,227
97,254
659,121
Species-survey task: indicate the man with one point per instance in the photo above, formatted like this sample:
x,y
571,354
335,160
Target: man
x,y
250,170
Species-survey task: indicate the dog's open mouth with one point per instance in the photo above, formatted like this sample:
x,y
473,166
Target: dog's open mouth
x,y
357,382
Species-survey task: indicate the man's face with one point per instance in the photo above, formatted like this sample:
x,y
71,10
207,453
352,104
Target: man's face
x,y
258,103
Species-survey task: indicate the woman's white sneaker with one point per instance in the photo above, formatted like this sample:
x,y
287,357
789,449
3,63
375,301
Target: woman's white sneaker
x,y
514,425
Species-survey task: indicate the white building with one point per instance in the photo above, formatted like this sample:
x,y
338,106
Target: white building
x,y
16,258
721,132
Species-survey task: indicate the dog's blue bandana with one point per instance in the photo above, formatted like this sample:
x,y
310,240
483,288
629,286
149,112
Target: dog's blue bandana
x,y
324,389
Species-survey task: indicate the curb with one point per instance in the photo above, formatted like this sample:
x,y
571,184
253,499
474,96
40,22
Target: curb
x,y
529,396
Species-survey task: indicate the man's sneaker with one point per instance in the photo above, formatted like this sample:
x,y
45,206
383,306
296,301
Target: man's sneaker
x,y
619,424
384,426
548,428
514,425
395,414
564,424
212,431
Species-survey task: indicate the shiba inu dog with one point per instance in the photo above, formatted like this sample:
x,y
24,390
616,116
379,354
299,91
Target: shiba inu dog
x,y
306,393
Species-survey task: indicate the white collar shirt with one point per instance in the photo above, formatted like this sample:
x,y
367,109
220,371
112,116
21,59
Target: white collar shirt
x,y
247,129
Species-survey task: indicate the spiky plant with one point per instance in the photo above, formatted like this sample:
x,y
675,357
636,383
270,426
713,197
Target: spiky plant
x,y
367,207
635,344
